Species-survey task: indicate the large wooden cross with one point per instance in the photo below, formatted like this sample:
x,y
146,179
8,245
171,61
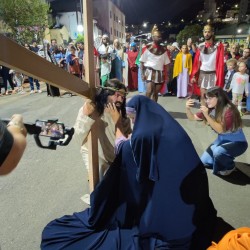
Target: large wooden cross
x,y
19,58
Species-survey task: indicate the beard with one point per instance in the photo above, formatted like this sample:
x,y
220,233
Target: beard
x,y
118,105
157,41
208,38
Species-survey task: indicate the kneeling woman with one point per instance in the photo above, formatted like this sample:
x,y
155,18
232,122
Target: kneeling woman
x,y
225,120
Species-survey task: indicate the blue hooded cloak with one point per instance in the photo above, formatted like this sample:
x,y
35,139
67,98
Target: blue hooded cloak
x,y
154,195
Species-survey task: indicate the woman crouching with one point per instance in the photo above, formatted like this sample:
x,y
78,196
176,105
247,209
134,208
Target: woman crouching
x,y
224,118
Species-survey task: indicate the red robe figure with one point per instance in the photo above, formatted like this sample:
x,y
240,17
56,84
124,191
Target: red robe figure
x,y
132,67
208,66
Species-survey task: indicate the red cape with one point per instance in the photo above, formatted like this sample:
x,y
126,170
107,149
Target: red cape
x,y
219,69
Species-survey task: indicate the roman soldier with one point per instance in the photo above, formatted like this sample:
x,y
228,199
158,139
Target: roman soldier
x,y
208,66
154,61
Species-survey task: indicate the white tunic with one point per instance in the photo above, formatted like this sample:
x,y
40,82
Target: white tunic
x,y
155,62
208,61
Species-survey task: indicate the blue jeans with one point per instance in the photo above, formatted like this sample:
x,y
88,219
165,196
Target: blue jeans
x,y
248,102
31,81
220,155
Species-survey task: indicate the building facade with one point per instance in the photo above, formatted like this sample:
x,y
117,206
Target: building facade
x,y
110,19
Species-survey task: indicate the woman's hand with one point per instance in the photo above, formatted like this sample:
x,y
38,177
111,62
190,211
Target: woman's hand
x,y
204,110
112,110
189,103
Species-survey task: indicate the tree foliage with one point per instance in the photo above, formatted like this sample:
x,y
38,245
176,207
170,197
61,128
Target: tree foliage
x,y
26,19
80,38
193,31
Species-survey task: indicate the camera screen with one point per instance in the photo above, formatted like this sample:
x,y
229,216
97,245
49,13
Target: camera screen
x,y
52,129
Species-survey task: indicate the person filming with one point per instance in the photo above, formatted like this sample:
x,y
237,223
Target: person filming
x,y
12,143
224,118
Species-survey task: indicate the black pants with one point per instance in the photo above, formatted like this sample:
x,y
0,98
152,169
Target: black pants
x,y
7,77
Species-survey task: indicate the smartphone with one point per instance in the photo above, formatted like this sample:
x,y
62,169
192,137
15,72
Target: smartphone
x,y
51,129
197,105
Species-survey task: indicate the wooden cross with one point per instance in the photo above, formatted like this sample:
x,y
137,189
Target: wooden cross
x,y
15,56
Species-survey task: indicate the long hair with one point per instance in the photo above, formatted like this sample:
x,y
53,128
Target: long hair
x,y
223,102
101,98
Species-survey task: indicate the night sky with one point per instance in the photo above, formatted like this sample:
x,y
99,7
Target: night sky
x,y
152,11
156,11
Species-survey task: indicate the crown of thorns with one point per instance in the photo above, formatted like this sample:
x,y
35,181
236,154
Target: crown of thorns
x,y
123,91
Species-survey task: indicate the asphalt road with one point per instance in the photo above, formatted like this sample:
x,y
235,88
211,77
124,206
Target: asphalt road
x,y
48,184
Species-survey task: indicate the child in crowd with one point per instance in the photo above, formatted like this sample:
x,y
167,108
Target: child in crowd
x,y
18,80
182,70
231,69
73,62
239,84
105,69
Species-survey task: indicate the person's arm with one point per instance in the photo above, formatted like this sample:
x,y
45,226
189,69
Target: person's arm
x,y
18,132
232,83
142,67
246,85
216,126
193,47
120,136
85,119
190,115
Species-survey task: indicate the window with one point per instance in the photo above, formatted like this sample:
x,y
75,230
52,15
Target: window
x,y
110,14
111,30
114,16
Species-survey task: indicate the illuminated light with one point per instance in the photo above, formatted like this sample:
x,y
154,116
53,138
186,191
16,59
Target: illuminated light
x,y
79,28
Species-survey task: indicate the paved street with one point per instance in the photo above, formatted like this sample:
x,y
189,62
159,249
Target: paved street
x,y
48,184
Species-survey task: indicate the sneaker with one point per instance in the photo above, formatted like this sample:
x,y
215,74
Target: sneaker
x,y
32,92
86,199
21,92
226,172
39,91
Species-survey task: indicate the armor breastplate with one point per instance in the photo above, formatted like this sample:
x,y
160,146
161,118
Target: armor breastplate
x,y
209,50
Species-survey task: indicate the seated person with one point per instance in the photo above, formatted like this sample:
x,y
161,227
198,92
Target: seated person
x,y
150,197
12,143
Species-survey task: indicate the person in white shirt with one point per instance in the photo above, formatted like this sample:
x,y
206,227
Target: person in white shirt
x,y
208,65
154,61
105,51
239,84
94,113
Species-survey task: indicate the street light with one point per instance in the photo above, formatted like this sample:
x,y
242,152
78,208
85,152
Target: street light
x,y
145,25
80,28
239,31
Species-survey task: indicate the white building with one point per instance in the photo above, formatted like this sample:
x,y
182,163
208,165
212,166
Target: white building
x,y
109,19
69,20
